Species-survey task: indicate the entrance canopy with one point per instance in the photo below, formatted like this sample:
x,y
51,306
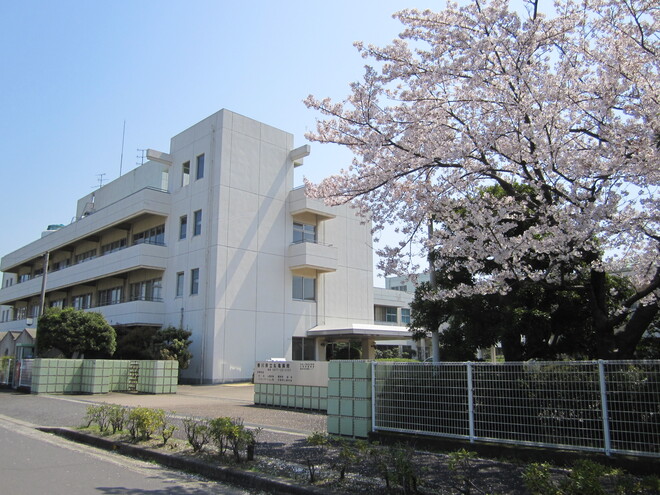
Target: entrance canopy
x,y
359,330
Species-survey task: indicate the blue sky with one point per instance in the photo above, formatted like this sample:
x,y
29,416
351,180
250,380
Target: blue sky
x,y
73,71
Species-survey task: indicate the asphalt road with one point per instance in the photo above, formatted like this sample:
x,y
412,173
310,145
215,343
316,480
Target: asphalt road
x,y
33,462
75,468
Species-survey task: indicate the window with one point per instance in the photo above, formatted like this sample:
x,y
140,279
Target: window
x,y
24,278
303,349
57,303
185,177
21,313
83,301
405,316
59,265
110,296
34,310
179,284
303,233
304,289
86,256
194,281
385,314
113,246
148,290
197,229
183,226
199,173
155,235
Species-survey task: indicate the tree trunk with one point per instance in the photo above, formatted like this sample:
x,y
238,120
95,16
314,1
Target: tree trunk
x,y
602,325
632,333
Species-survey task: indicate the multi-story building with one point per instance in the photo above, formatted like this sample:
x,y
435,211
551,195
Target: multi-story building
x,y
406,283
212,237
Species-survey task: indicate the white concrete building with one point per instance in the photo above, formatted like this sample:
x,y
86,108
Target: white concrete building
x,y
210,236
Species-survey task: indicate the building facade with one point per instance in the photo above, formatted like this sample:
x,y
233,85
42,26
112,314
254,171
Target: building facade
x,y
210,236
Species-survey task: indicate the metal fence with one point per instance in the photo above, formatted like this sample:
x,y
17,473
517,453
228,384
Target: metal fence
x,y
6,371
16,373
607,406
23,373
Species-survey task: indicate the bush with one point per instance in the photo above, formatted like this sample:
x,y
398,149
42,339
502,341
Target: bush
x,y
166,432
318,443
461,463
99,415
116,417
220,429
142,422
585,478
240,438
351,453
197,432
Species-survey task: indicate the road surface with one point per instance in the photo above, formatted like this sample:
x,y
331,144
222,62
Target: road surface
x,y
33,462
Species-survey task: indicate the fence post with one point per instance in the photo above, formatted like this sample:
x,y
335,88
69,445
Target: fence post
x,y
373,395
470,400
603,402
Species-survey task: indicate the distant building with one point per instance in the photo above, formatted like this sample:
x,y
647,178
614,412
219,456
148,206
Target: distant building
x,y
406,284
211,236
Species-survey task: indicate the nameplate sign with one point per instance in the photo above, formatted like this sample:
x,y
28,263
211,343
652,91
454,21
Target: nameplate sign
x,y
314,373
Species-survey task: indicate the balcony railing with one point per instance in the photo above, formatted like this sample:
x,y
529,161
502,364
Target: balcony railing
x,y
100,304
153,243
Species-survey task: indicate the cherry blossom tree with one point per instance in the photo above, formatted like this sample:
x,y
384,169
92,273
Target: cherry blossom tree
x,y
559,111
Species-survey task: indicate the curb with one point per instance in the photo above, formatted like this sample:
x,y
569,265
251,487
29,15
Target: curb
x,y
242,478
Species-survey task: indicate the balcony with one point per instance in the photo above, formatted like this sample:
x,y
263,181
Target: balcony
x,y
319,257
147,201
132,258
299,204
139,312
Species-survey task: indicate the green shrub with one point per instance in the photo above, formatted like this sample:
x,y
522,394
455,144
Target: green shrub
x,y
240,438
405,471
220,429
351,453
538,480
166,431
461,463
197,432
116,417
142,422
98,414
585,478
315,454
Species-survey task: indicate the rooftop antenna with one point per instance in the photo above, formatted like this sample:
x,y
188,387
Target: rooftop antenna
x,y
121,160
140,157
100,179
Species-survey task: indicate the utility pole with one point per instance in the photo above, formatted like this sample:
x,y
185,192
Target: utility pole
x,y
44,277
435,332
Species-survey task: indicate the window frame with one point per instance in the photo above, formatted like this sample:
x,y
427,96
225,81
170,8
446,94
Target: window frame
x,y
303,349
180,284
194,281
304,232
199,167
185,174
301,286
183,227
197,223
